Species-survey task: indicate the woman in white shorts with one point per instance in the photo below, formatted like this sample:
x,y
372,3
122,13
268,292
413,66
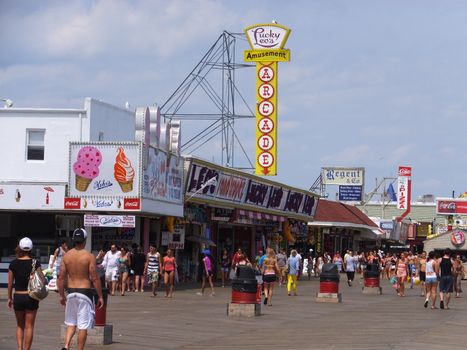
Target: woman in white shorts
x,y
431,282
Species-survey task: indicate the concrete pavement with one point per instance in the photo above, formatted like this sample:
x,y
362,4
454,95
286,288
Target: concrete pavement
x,y
189,321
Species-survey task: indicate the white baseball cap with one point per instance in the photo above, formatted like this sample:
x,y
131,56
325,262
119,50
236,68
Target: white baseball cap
x,y
25,244
79,235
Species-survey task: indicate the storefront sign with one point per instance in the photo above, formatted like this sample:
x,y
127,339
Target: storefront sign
x,y
103,204
387,225
350,193
458,238
452,206
104,169
203,183
163,177
402,192
176,239
222,214
343,176
109,220
43,196
267,42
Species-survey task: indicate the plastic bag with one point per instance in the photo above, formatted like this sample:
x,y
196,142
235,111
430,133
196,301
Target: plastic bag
x,y
36,286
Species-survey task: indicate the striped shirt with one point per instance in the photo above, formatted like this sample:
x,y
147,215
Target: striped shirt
x,y
153,262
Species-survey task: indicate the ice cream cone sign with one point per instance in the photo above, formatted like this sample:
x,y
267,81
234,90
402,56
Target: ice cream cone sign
x,y
123,171
86,167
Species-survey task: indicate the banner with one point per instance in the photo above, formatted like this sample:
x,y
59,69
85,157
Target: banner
x,y
45,196
451,206
402,192
109,220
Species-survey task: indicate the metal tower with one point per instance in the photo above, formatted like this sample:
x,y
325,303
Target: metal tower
x,y
213,77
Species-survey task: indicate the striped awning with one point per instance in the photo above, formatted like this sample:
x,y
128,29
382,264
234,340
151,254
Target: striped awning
x,y
254,215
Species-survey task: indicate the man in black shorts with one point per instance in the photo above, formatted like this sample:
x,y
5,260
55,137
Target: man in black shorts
x,y
446,282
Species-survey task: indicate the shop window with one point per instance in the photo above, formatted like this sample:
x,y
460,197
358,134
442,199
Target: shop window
x,y
35,144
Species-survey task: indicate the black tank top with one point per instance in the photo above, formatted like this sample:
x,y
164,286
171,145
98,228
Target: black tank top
x,y
445,267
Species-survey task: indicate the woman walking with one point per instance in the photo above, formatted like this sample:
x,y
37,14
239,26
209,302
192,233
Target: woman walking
x,y
337,259
139,263
169,267
402,271
431,280
207,272
458,275
225,264
124,268
270,272
294,265
153,268
25,307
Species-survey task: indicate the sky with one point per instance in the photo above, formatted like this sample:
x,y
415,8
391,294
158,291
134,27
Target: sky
x,y
373,84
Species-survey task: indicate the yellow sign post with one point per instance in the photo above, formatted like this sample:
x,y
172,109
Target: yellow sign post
x,y
267,43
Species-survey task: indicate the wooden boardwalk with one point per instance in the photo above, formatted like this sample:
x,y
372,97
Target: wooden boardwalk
x,y
189,321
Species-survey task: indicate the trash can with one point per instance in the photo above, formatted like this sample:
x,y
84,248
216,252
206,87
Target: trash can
x,y
371,276
101,314
244,286
329,279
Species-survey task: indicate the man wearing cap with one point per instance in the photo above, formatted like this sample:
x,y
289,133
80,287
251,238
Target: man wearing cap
x,y
80,268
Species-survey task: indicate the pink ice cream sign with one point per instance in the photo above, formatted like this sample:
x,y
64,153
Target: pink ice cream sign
x,y
86,167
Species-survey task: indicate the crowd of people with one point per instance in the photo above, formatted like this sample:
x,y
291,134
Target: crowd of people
x,y
127,269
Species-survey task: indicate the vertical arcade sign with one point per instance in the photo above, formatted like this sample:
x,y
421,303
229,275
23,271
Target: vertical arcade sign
x,y
267,43
404,190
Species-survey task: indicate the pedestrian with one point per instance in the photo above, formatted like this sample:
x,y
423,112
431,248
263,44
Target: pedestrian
x,y
124,263
337,259
412,259
431,280
282,263
58,255
169,267
138,264
236,258
110,264
225,264
402,272
78,269
207,272
458,275
300,269
270,271
153,268
25,307
387,266
446,281
293,264
421,268
350,264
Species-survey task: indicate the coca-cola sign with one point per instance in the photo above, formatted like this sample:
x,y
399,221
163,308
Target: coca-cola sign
x,y
131,204
405,171
72,203
451,206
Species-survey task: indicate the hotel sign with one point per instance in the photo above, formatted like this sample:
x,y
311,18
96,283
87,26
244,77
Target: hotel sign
x,y
267,43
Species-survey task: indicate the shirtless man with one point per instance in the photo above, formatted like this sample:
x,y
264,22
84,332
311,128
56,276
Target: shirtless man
x,y
78,268
421,268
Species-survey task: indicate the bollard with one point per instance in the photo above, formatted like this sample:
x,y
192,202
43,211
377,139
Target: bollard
x,y
329,285
371,283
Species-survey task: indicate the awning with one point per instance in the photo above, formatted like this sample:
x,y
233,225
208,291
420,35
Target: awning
x,y
260,216
199,239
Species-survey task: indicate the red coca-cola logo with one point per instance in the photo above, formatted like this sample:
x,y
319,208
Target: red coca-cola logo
x,y
405,171
131,204
72,203
447,205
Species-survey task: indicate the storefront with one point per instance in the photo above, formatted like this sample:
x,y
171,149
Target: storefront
x,y
241,210
338,227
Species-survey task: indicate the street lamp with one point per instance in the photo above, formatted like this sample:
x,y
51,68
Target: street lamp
x,y
7,103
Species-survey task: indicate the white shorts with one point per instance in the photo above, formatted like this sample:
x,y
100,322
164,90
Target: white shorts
x,y
79,311
111,274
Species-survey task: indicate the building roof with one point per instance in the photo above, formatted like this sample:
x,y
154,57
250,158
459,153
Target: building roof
x,y
341,214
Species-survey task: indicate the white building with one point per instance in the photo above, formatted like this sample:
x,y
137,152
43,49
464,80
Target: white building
x,y
36,176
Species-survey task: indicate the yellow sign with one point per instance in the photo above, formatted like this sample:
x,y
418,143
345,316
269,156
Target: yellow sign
x,y
266,118
267,42
267,55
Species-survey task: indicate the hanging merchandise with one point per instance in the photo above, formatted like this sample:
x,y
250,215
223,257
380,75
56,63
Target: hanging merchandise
x,y
286,230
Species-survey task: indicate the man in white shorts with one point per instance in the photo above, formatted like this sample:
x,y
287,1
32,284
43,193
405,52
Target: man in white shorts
x,y
110,263
80,268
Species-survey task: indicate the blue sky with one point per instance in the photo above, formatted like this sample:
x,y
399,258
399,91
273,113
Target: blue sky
x,y
377,83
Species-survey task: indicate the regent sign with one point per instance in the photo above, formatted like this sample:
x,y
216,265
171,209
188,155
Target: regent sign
x,y
267,48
